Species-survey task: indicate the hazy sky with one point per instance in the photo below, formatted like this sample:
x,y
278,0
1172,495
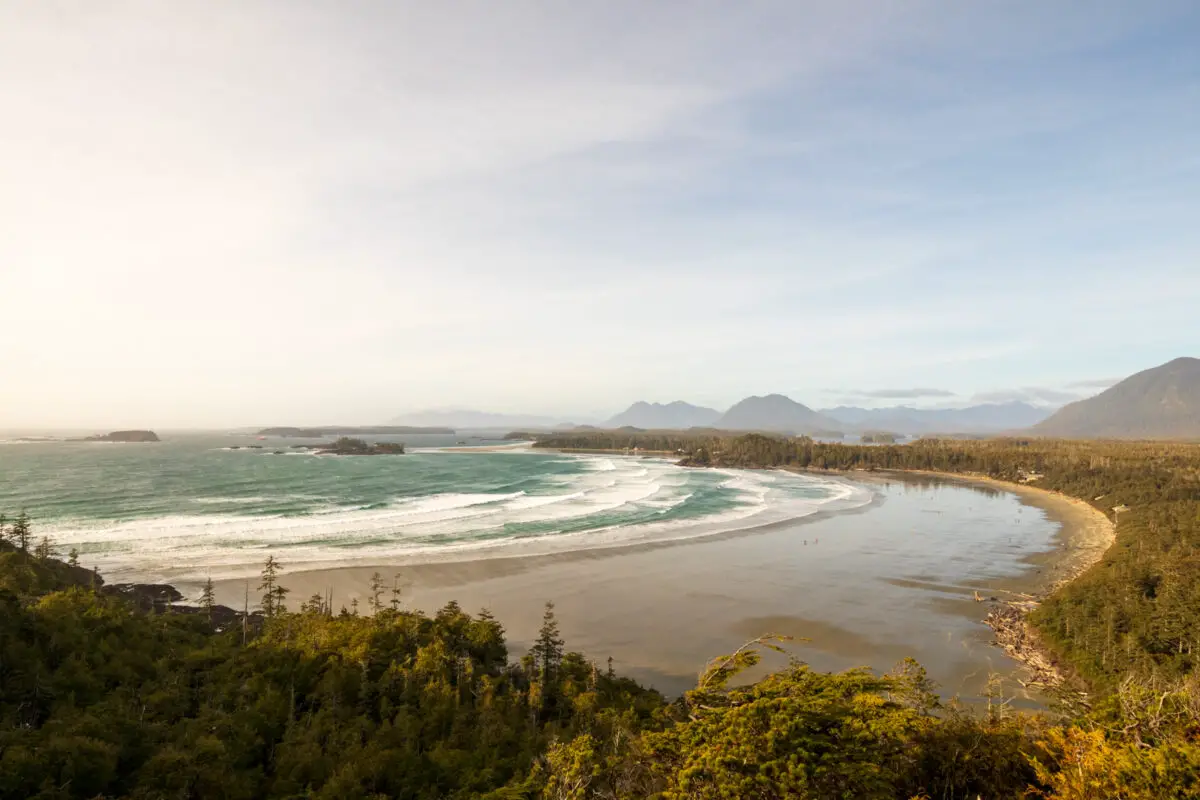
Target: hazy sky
x,y
291,212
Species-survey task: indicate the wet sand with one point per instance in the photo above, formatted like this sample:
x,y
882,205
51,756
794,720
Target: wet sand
x,y
866,587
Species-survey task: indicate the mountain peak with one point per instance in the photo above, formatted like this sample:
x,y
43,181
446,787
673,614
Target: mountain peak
x,y
1158,403
774,412
674,415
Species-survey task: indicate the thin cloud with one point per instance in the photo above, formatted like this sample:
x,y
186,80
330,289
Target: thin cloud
x,y
1094,383
1027,394
763,171
903,394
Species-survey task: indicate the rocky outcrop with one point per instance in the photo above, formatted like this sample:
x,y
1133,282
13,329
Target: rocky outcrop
x,y
347,446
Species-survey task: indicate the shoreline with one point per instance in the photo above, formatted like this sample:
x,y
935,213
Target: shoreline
x,y
516,584
1085,534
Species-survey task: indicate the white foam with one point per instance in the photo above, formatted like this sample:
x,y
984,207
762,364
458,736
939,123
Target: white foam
x,y
449,526
207,501
542,500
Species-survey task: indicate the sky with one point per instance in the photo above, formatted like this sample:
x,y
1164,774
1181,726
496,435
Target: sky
x,y
292,212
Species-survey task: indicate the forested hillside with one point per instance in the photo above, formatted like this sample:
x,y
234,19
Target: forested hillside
x,y
1158,403
99,700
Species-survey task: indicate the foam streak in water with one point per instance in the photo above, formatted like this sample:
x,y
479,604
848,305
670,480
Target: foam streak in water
x,y
434,506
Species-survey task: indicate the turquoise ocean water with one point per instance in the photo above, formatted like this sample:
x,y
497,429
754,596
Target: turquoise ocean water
x,y
193,505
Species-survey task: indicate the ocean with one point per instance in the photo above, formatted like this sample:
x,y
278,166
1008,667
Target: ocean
x,y
216,505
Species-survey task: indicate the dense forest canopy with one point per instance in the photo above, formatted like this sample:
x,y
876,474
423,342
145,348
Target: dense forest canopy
x,y
98,699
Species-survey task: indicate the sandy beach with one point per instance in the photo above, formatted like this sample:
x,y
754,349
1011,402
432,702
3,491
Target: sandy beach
x,y
1084,535
867,587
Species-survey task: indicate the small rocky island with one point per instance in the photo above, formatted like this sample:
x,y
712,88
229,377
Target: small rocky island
x,y
347,446
124,436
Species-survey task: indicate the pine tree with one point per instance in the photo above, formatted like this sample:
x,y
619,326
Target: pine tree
x,y
20,532
376,586
73,557
44,550
281,599
208,598
313,605
273,593
548,650
396,592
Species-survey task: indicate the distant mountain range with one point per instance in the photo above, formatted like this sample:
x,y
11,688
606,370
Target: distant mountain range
x,y
1158,403
677,415
986,418
778,413
774,412
1163,402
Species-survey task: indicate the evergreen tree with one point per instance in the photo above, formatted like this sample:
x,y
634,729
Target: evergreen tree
x,y
273,593
208,598
20,532
376,587
396,592
73,557
548,650
44,550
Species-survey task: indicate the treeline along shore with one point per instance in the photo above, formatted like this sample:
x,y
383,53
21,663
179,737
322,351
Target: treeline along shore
x,y
103,696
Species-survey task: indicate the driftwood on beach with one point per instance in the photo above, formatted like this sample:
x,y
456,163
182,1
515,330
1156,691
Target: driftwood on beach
x,y
1016,638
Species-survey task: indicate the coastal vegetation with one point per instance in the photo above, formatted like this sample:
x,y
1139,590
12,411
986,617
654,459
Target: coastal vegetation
x,y
348,446
99,699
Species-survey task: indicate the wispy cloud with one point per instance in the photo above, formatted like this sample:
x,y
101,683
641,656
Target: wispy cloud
x,y
762,197
898,394
1028,394
1094,383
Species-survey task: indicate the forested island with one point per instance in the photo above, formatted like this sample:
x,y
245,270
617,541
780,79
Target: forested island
x,y
124,436
347,446
342,430
303,699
